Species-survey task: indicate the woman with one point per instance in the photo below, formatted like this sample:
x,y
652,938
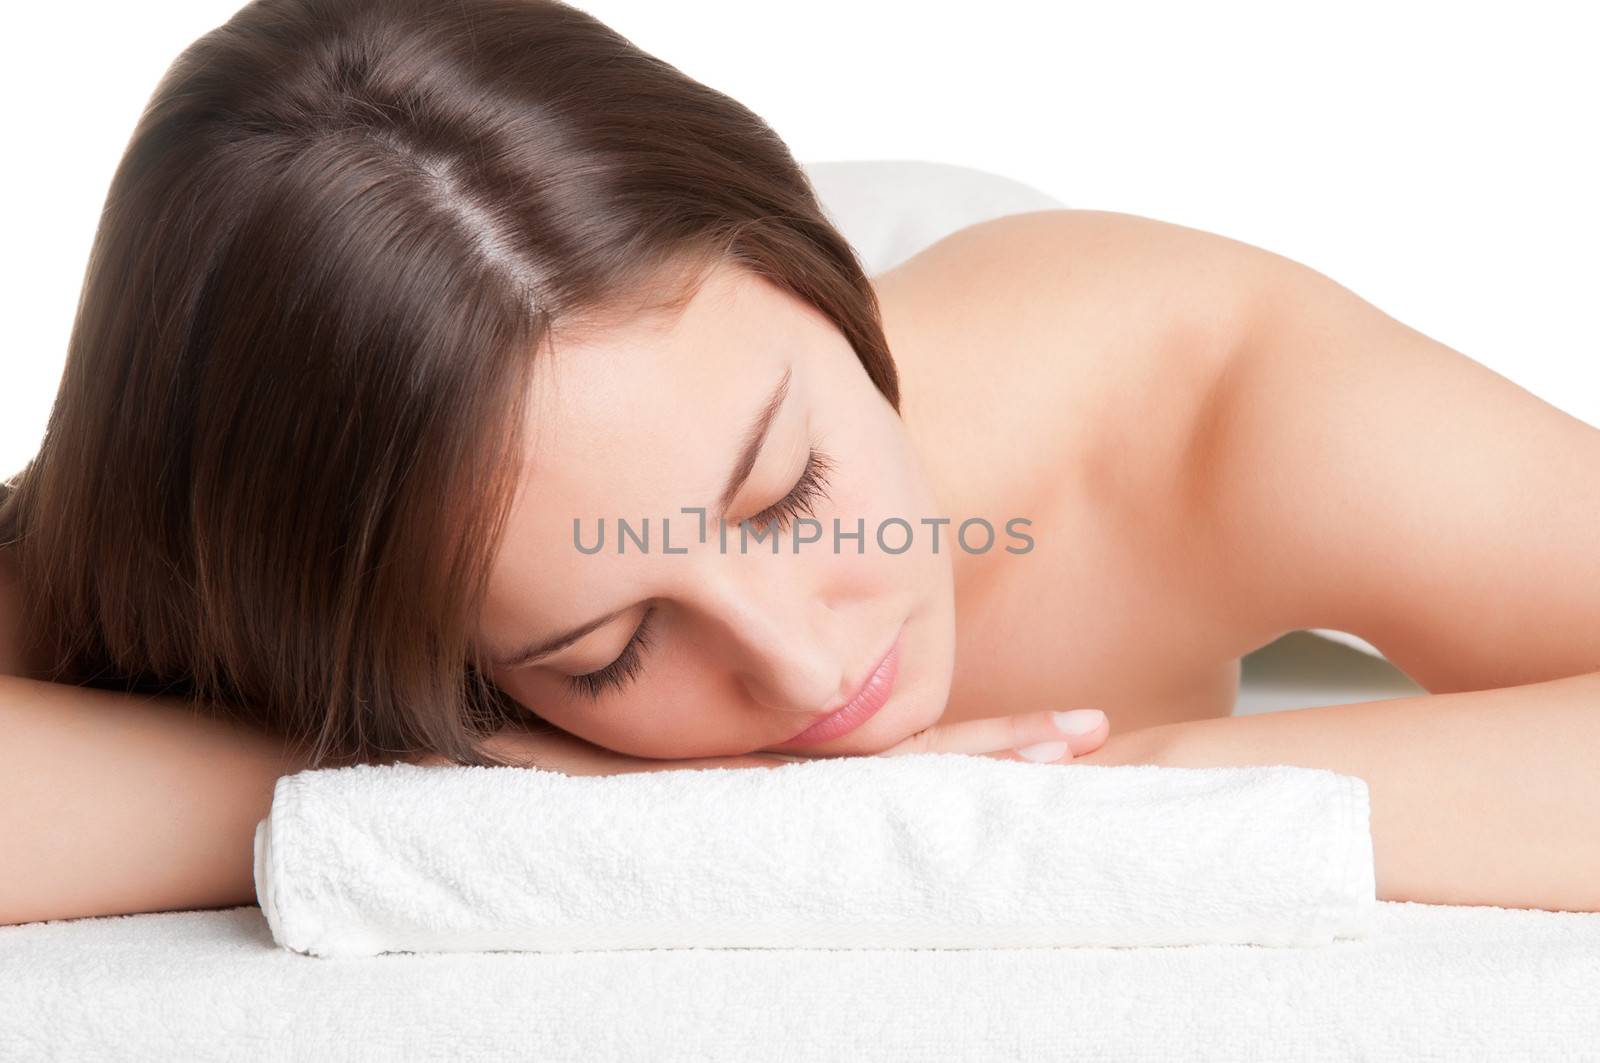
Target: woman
x,y
403,320
349,248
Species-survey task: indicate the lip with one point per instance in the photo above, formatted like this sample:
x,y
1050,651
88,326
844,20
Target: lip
x,y
862,706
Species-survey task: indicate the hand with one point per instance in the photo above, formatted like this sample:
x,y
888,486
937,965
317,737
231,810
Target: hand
x,y
1000,737
1004,737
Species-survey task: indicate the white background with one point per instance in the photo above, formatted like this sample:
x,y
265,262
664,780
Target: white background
x,y
1440,160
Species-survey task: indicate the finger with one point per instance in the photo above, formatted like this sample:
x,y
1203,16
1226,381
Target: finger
x,y
1045,736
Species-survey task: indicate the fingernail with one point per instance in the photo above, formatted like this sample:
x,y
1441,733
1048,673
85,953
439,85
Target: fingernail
x,y
1078,721
1043,751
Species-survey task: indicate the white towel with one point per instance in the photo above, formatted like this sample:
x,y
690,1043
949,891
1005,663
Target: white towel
x,y
934,850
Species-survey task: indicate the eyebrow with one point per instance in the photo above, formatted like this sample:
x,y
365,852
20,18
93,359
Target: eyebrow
x,y
755,437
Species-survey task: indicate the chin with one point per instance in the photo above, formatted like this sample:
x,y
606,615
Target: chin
x,y
908,711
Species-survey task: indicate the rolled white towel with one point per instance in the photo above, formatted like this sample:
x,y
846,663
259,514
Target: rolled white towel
x,y
930,850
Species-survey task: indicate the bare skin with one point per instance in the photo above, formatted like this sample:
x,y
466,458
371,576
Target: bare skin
x,y
1081,403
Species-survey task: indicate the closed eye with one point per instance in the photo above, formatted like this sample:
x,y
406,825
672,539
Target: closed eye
x,y
625,667
812,485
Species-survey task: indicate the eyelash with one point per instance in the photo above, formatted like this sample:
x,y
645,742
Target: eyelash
x,y
812,484
618,672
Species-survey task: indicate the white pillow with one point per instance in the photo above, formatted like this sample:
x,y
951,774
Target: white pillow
x,y
1348,639
889,209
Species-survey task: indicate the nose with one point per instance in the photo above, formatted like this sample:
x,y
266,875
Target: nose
x,y
784,648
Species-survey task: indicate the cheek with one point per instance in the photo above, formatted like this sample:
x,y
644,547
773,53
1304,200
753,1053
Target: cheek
x,y
646,720
881,483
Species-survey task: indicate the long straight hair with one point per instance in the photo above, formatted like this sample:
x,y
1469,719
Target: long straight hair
x,y
290,425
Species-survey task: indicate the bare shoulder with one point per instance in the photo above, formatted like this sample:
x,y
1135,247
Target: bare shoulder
x,y
1075,346
1101,273
1062,305
1062,364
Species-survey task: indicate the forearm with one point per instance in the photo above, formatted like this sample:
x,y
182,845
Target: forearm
x,y
1487,797
114,803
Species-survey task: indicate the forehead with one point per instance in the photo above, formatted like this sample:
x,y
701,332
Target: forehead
x,y
644,417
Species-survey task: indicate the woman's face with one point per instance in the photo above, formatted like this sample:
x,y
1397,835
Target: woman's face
x,y
742,649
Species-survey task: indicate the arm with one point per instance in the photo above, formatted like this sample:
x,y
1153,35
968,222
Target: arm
x,y
113,804
1349,472
1488,797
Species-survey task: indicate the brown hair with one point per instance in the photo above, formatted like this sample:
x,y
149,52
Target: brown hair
x,y
289,429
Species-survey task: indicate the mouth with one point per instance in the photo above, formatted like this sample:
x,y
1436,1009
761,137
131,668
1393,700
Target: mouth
x,y
863,705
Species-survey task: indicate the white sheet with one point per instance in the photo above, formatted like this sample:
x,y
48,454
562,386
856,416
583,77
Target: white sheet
x,y
1433,983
